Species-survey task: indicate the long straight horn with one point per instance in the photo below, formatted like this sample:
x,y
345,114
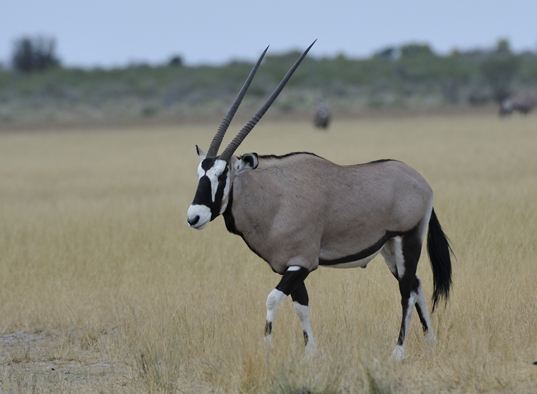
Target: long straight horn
x,y
217,140
233,145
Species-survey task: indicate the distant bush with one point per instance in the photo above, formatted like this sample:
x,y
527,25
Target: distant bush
x,y
418,78
34,54
176,61
499,70
414,50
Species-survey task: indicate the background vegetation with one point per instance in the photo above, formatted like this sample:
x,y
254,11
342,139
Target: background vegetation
x,y
104,288
411,76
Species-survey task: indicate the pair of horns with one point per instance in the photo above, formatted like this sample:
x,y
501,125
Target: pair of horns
x,y
234,144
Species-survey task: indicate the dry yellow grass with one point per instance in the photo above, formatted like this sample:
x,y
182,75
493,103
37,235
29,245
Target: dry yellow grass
x,y
108,290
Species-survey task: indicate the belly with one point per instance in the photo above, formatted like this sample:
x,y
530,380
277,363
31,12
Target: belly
x,y
332,255
362,263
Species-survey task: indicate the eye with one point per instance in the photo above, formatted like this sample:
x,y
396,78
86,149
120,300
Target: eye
x,y
222,176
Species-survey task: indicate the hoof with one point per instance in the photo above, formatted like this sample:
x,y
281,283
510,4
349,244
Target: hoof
x,y
309,351
268,341
398,354
430,338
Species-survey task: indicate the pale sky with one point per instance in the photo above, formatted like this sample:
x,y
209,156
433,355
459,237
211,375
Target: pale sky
x,y
110,33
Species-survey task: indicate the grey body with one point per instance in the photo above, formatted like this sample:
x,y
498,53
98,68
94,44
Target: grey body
x,y
300,209
521,103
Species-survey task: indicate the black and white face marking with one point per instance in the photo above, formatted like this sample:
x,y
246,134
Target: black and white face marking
x,y
211,197
215,178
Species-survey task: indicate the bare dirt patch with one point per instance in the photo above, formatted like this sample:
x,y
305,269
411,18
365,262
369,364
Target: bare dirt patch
x,y
41,360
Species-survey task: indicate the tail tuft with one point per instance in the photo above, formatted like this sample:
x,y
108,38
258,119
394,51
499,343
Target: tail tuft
x,y
439,252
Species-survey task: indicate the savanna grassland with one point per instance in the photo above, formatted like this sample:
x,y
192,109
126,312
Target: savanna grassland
x,y
104,287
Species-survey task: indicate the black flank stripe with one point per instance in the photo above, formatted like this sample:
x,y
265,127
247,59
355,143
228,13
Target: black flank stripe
x,y
203,192
364,253
368,251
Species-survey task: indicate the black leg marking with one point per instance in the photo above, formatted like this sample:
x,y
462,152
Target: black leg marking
x,y
300,294
305,338
268,328
404,285
292,279
422,319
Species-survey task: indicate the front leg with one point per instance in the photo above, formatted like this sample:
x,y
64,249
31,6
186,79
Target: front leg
x,y
291,279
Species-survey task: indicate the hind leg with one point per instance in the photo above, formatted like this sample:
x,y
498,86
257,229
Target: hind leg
x,y
423,312
406,264
388,252
402,254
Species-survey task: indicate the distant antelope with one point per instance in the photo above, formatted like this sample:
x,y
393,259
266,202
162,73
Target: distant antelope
x,y
299,211
321,117
523,104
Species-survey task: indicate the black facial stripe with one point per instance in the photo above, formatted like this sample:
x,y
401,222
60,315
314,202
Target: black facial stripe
x,y
223,176
215,208
203,194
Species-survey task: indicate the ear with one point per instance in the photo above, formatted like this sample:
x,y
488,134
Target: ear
x,y
201,153
247,162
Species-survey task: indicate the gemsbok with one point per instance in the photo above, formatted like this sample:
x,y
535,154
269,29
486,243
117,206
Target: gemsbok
x,y
523,104
321,115
299,211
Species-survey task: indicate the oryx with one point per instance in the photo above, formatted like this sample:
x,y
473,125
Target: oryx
x,y
321,116
299,211
521,103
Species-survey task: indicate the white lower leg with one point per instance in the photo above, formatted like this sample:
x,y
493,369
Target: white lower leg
x,y
399,351
274,300
303,313
422,303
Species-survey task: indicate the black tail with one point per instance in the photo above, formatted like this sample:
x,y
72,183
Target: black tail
x,y
439,251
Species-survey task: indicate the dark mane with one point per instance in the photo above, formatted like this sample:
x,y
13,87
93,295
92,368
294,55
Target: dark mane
x,y
288,155
380,161
279,157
